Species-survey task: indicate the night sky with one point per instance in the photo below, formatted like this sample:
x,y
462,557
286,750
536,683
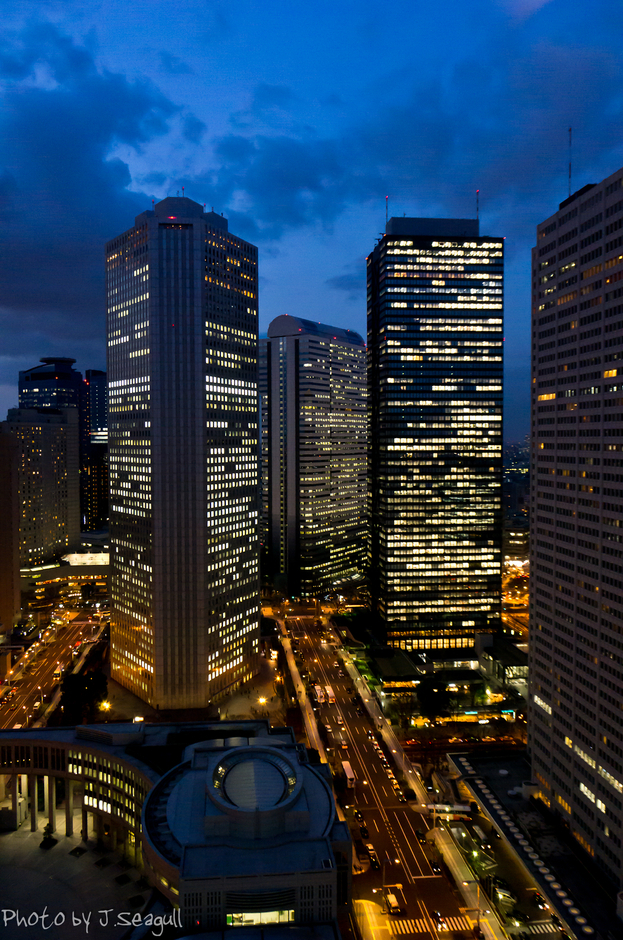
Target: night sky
x,y
295,120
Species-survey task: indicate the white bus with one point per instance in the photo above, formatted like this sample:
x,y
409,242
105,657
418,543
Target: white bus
x,y
348,772
330,695
319,694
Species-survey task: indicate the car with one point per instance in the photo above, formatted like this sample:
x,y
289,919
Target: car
x,y
440,922
374,859
354,699
392,904
358,815
370,733
401,797
336,665
420,836
340,720
540,901
435,868
328,729
349,690
344,745
360,712
363,829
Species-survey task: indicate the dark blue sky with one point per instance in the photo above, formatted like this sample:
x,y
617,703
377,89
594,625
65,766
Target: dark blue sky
x,y
295,120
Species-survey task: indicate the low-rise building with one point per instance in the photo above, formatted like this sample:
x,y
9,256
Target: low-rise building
x,y
230,820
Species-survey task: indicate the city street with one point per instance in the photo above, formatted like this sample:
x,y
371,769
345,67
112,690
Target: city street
x,y
393,826
35,673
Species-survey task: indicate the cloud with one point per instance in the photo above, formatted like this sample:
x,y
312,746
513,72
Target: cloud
x,y
353,284
61,193
194,129
494,120
521,9
173,65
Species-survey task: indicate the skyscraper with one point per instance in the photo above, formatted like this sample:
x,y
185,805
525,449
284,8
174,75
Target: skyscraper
x,y
313,409
56,384
94,475
9,543
47,478
183,446
576,567
435,307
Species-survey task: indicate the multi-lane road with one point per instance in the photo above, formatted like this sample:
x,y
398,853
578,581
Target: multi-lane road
x,y
394,828
34,680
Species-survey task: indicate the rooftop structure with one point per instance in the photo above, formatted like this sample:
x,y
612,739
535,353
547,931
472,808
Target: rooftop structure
x,y
236,826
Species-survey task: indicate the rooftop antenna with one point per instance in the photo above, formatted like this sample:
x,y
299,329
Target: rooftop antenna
x,y
182,192
477,204
570,161
386,211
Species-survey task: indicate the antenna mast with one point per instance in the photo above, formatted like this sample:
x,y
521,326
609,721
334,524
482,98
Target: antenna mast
x,y
569,161
477,204
386,211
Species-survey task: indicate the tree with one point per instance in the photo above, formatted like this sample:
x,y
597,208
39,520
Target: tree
x,y
81,695
433,697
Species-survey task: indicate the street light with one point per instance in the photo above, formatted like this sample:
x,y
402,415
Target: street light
x,y
385,862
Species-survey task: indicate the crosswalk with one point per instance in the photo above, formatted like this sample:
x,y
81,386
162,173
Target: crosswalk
x,y
543,928
418,925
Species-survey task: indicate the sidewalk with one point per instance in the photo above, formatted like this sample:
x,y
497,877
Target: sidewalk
x,y
257,698
69,888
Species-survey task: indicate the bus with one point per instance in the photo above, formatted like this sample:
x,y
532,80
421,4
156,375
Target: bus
x,y
348,773
481,838
319,694
330,695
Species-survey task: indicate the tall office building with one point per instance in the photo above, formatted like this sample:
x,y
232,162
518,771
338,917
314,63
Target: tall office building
x,y
94,475
10,598
313,407
47,477
435,306
183,452
56,384
576,606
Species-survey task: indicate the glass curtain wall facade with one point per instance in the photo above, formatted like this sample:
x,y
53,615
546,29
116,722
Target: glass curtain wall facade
x,y
313,454
575,728
435,335
183,446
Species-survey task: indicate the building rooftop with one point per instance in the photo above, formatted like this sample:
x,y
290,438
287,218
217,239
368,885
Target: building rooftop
x,y
290,326
441,228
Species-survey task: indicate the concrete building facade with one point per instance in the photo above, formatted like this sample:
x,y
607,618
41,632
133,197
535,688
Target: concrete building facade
x,y
435,335
183,455
313,416
576,509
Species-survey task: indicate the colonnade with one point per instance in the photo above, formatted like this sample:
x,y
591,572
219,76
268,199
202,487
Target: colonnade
x,y
24,790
